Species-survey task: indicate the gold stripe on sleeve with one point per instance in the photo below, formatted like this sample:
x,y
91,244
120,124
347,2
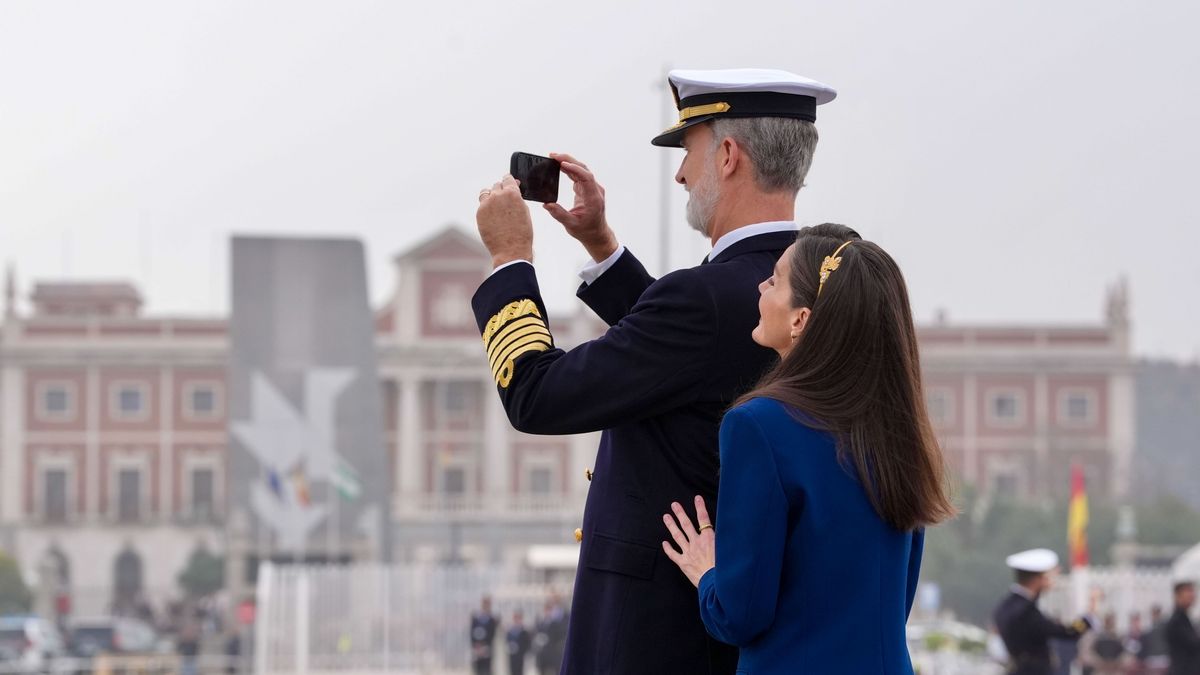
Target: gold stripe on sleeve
x,y
511,328
515,338
508,354
504,377
512,310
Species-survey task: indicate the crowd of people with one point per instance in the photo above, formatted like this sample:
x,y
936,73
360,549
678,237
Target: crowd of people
x,y
1035,644
544,639
1164,644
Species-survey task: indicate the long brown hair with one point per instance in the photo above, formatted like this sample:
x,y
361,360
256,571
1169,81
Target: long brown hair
x,y
855,371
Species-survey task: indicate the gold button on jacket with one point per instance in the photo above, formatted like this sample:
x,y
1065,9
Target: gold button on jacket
x,y
578,534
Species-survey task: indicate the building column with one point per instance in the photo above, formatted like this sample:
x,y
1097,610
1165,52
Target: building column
x,y
13,486
972,472
166,444
96,403
1040,480
1122,430
408,440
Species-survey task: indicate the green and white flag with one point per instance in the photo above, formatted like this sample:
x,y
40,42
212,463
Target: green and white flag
x,y
345,480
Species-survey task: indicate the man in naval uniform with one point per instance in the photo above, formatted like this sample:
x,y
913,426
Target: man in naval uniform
x,y
1025,630
677,353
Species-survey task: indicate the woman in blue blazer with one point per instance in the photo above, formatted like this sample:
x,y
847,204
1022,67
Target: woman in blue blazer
x,y
829,473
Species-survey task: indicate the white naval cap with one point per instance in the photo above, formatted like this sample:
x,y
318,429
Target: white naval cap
x,y
1038,560
701,95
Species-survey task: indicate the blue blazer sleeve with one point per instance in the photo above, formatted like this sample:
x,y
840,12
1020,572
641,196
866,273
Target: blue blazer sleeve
x,y
656,358
738,596
914,568
613,295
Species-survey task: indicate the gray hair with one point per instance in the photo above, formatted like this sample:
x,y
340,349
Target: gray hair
x,y
780,148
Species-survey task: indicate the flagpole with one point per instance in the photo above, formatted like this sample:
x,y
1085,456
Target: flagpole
x,y
664,197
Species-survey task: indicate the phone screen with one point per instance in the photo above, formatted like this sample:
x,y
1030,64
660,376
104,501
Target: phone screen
x,y
538,176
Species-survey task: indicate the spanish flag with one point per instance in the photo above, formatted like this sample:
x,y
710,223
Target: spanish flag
x,y
1077,519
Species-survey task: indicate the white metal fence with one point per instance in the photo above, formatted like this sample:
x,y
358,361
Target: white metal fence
x,y
373,617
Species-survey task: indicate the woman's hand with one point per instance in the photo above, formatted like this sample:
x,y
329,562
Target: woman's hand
x,y
697,543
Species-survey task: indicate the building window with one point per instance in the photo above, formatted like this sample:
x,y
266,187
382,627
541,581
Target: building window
x,y
1006,408
1077,407
451,307
203,493
129,401
129,495
54,495
201,401
541,481
458,397
55,401
454,481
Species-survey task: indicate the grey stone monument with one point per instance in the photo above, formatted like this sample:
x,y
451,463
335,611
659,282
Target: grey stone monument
x,y
308,471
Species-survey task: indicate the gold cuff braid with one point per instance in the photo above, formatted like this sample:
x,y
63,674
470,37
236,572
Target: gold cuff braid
x,y
514,331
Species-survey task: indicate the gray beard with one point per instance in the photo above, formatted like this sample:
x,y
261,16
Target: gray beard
x,y
702,204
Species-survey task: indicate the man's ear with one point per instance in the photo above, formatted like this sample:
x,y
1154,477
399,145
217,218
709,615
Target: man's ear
x,y
730,157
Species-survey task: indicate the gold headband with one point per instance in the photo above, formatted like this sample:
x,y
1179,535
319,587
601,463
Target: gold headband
x,y
830,264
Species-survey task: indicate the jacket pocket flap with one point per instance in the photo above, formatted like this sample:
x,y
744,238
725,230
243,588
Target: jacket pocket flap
x,y
623,557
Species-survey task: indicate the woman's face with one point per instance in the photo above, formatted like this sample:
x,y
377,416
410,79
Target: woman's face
x,y
779,323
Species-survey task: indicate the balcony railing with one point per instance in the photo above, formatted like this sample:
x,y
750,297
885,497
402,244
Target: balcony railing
x,y
491,506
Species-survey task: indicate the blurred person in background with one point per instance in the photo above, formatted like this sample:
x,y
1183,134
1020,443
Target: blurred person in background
x,y
484,625
1063,654
1135,664
551,636
1102,651
1154,643
188,644
1183,644
518,640
1026,631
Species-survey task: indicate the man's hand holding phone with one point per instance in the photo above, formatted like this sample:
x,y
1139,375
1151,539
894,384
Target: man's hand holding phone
x,y
585,221
504,222
503,218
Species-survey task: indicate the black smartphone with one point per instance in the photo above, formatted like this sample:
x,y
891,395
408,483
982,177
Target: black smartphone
x,y
538,176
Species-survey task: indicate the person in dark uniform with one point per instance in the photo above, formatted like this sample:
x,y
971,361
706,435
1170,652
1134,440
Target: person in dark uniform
x,y
676,355
1025,630
1183,644
518,640
551,637
483,633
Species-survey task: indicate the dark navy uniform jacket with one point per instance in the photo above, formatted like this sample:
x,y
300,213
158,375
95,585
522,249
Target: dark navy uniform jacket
x,y
1027,632
677,353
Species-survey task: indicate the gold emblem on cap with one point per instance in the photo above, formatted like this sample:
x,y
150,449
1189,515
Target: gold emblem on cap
x,y
698,110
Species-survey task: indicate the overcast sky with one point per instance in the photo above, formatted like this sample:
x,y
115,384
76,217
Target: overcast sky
x,y
1016,157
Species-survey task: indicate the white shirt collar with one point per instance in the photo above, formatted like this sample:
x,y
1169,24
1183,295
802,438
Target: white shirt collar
x,y
747,231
